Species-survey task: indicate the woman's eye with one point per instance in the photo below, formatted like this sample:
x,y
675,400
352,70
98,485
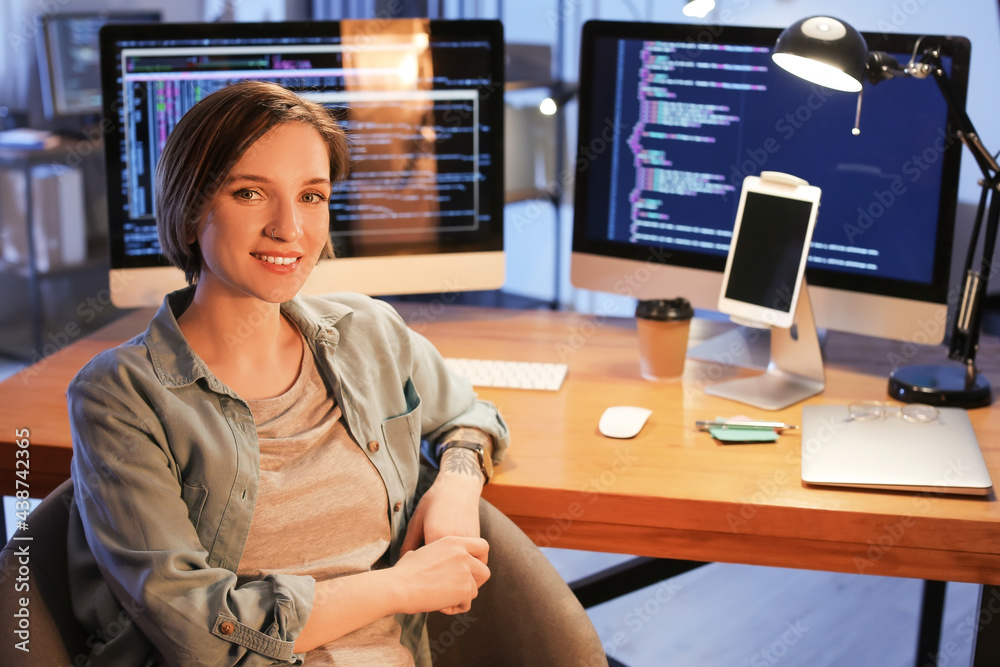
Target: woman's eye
x,y
313,198
247,195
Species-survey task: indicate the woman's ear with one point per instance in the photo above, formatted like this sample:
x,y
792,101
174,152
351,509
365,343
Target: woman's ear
x,y
191,238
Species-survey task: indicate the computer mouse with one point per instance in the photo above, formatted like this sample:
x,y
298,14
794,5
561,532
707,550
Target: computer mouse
x,y
623,421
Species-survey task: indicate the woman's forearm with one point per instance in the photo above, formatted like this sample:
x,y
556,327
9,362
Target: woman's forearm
x,y
445,575
343,605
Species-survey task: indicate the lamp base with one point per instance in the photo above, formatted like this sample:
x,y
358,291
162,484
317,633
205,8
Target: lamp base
x,y
940,385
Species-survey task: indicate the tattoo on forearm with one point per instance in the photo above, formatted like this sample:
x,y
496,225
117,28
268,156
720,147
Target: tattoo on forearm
x,y
461,461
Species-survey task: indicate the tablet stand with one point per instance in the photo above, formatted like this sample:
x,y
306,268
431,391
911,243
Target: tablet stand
x,y
746,346
795,371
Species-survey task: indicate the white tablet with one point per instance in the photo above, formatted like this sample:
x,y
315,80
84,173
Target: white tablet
x,y
770,244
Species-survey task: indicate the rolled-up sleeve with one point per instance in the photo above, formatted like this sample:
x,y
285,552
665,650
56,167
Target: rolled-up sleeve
x,y
143,537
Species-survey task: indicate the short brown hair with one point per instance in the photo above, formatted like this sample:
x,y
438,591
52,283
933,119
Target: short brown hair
x,y
210,139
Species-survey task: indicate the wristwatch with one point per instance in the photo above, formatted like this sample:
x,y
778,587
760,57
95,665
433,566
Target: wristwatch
x,y
485,461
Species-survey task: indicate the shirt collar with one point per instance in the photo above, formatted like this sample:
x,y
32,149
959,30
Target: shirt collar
x,y
177,365
317,317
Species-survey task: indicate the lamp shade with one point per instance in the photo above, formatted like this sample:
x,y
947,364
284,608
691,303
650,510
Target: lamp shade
x,y
698,8
825,51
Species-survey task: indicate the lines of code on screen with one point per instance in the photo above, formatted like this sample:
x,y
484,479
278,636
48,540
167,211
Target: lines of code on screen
x,y
419,155
686,122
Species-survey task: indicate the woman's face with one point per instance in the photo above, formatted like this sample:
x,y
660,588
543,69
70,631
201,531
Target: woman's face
x,y
265,228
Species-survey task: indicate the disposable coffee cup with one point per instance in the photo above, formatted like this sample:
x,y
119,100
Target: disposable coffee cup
x,y
663,326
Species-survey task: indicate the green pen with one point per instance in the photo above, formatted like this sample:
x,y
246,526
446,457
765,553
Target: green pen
x,y
743,423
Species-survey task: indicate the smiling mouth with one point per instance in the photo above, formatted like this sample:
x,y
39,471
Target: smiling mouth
x,y
279,261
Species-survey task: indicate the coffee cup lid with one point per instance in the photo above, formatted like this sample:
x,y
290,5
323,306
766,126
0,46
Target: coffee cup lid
x,y
665,309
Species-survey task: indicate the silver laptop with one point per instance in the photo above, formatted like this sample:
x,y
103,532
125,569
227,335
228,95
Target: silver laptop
x,y
940,456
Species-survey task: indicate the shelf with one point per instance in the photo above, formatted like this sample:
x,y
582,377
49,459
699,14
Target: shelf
x,y
45,306
21,270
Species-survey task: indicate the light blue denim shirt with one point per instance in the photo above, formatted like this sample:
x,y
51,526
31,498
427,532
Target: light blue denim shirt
x,y
165,468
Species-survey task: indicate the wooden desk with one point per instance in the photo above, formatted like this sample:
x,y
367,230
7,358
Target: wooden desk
x,y
670,492
673,491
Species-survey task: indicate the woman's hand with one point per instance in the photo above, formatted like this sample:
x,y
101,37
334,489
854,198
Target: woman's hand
x,y
443,576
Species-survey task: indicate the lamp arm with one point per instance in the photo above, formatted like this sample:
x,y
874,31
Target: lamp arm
x,y
968,316
969,313
931,61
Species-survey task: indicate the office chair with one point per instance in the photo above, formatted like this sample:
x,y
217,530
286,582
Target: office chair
x,y
55,635
524,615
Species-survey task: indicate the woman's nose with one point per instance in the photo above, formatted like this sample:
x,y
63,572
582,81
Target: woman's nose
x,y
285,224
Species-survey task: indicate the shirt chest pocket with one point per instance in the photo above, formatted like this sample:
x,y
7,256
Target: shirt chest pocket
x,y
402,437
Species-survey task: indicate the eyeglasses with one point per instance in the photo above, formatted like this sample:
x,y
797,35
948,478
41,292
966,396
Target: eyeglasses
x,y
874,410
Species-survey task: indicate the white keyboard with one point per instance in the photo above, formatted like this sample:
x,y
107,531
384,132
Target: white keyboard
x,y
509,374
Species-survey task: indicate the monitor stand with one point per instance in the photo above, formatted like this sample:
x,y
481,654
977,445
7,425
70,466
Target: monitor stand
x,y
794,372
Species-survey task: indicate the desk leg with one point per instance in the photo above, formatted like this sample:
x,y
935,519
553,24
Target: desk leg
x,y
627,577
986,652
931,617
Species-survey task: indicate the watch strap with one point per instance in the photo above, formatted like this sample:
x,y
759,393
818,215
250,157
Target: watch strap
x,y
485,462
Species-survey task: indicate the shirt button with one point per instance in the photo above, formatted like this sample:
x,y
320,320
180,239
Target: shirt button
x,y
227,628
373,446
398,506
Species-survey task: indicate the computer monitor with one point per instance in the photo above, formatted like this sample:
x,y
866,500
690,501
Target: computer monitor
x,y
674,117
69,60
422,101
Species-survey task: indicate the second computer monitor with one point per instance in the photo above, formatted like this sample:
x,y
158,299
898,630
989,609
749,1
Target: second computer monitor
x,y
674,117
422,102
69,59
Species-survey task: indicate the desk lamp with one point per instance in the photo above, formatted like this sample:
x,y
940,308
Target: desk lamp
x,y
829,52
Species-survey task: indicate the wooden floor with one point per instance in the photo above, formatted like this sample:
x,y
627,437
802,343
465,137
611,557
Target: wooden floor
x,y
724,615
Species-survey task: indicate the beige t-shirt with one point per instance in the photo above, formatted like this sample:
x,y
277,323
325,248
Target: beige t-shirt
x,y
321,509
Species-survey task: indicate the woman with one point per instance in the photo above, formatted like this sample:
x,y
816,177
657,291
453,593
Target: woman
x,y
247,470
